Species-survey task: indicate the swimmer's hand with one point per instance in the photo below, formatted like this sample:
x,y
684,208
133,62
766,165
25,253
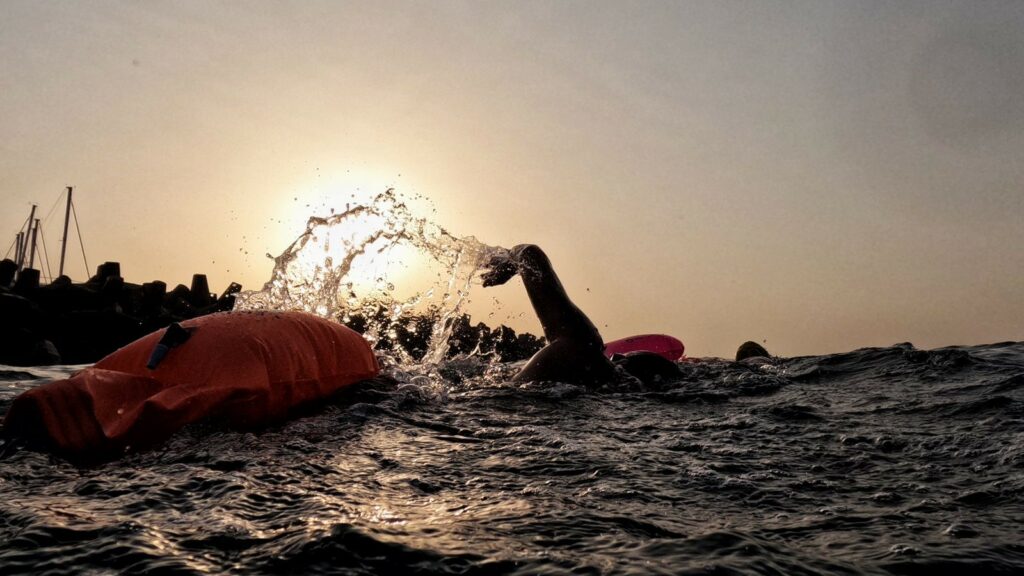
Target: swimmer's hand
x,y
500,269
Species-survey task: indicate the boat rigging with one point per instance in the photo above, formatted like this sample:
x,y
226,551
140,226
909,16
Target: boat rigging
x,y
30,242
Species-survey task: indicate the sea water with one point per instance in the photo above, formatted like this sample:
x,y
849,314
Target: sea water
x,y
877,461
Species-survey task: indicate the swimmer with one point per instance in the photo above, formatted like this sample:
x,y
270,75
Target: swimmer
x,y
751,349
575,350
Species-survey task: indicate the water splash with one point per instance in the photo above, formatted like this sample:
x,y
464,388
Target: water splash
x,y
380,263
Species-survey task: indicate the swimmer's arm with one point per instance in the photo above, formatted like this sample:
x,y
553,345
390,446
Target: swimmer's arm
x,y
557,314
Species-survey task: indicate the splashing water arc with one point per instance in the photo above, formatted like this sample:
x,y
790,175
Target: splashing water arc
x,y
374,257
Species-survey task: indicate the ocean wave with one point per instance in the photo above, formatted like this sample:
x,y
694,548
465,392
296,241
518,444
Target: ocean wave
x,y
876,461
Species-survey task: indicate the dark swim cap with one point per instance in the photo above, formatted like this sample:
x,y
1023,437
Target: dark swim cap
x,y
750,350
648,367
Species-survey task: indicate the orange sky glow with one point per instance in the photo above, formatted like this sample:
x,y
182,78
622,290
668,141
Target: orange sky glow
x,y
817,176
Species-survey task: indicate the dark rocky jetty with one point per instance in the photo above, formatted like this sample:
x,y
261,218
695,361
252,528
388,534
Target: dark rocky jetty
x,y
78,323
412,333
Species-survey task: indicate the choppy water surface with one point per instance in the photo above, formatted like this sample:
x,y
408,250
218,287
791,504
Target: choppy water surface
x,y
889,460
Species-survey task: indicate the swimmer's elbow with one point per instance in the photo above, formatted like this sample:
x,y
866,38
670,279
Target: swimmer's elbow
x,y
528,252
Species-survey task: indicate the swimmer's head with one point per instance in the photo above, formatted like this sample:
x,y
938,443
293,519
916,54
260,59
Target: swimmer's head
x,y
647,367
750,350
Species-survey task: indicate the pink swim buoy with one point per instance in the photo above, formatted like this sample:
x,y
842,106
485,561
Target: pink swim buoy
x,y
668,347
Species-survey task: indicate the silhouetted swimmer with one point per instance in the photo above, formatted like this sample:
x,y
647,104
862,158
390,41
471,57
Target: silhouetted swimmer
x,y
751,350
575,351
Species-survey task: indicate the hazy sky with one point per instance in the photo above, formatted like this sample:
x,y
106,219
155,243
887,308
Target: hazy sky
x,y
817,175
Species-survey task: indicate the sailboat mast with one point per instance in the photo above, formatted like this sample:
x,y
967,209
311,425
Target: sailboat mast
x,y
18,250
34,226
64,240
25,238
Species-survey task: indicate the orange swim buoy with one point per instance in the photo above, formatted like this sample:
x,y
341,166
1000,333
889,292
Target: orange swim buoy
x,y
248,368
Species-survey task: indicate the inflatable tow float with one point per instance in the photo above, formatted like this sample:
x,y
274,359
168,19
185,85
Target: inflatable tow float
x,y
248,369
668,347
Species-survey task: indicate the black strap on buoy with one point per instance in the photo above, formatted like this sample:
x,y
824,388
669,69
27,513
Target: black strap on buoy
x,y
175,336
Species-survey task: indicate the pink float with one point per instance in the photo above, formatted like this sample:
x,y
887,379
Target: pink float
x,y
663,345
